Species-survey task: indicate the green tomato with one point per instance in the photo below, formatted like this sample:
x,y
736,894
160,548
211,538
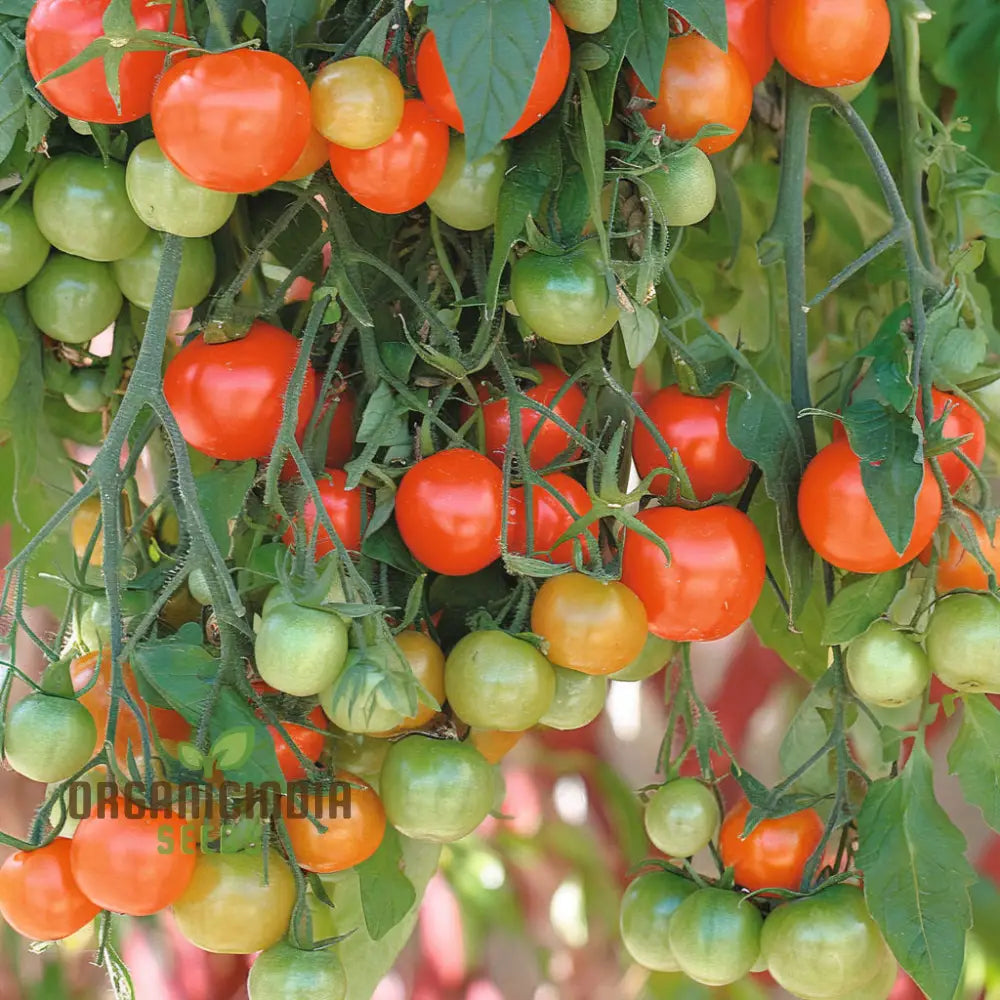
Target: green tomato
x,y
648,906
578,700
10,358
881,984
715,935
824,946
278,594
366,711
300,650
136,274
682,816
48,738
566,299
494,681
166,200
963,642
655,655
82,208
361,755
886,667
587,16
467,194
86,393
284,971
72,299
23,248
682,191
438,790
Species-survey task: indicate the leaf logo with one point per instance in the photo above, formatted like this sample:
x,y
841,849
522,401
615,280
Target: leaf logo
x,y
230,751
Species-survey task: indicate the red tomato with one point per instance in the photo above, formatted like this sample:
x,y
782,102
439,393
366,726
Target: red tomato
x,y
962,419
344,509
749,34
341,443
551,441
713,579
830,43
401,172
550,79
774,856
59,30
314,155
550,519
959,569
449,511
227,398
233,121
307,740
132,861
700,85
39,897
841,524
695,427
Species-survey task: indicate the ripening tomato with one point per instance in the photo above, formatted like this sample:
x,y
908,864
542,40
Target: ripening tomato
x,y
308,740
232,121
749,34
449,511
589,625
39,897
550,79
227,398
341,442
550,519
830,43
494,744
426,660
551,441
840,522
710,584
962,420
131,860
313,156
700,85
958,568
774,856
59,30
343,507
356,102
354,821
695,427
398,174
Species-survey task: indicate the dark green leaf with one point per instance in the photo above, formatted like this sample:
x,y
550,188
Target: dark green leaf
x,y
614,40
707,17
888,377
373,44
222,491
588,146
916,876
640,328
646,48
386,893
285,20
806,735
490,53
386,545
975,756
857,605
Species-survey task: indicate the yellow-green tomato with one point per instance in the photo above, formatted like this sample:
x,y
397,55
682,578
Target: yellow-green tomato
x,y
300,650
287,972
578,700
655,655
72,299
648,906
587,16
682,816
365,708
23,248
136,274
467,194
682,191
887,667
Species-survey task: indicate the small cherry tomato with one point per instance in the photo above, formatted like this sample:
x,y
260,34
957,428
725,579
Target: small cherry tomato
x,y
343,507
469,190
357,102
550,519
749,34
958,568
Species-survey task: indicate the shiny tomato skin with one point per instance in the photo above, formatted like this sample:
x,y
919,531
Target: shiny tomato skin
x,y
344,509
39,897
341,442
400,173
120,860
550,80
749,34
356,102
695,426
449,511
774,856
232,121
352,835
227,398
958,568
700,85
962,419
59,30
840,522
550,519
315,154
307,740
551,441
830,43
715,575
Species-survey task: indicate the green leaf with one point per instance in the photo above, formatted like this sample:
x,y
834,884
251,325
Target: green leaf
x,y
646,48
13,101
373,44
233,748
857,605
614,41
888,377
974,756
222,492
589,150
956,355
490,53
285,21
707,17
807,733
640,328
386,893
916,876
